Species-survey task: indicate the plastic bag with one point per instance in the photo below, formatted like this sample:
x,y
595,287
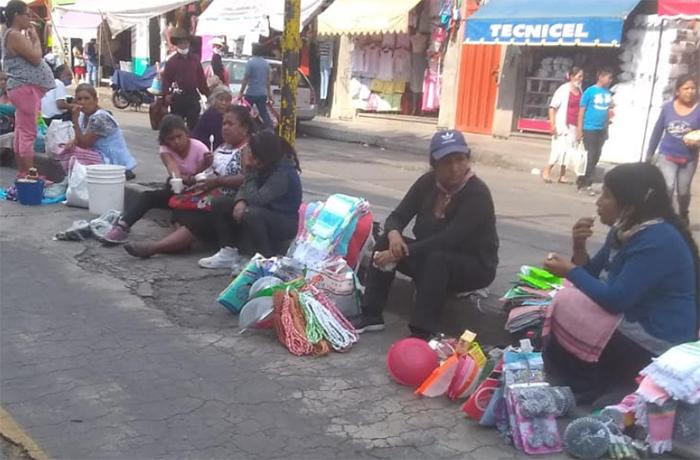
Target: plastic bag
x,y
58,135
580,159
77,193
338,282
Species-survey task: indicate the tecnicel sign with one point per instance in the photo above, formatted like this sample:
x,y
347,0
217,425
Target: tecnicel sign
x,y
602,32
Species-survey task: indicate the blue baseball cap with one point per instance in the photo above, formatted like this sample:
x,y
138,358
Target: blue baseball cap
x,y
446,143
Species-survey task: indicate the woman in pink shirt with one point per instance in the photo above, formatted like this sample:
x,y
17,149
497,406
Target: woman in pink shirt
x,y
182,157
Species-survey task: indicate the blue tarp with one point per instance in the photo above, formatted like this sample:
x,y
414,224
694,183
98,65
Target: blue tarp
x,y
129,81
549,22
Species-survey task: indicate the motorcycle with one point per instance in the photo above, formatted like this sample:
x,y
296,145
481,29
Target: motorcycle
x,y
131,90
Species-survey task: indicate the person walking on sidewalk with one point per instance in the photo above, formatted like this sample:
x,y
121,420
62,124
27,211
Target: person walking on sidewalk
x,y
593,120
256,85
91,61
563,121
183,76
678,154
455,247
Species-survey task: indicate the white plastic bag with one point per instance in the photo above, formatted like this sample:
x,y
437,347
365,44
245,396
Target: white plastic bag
x,y
580,159
59,134
335,279
77,193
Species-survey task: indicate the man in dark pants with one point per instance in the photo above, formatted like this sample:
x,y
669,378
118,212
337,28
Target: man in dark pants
x,y
593,120
456,244
183,77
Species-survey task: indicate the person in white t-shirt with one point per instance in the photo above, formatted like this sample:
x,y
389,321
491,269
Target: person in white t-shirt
x,y
54,105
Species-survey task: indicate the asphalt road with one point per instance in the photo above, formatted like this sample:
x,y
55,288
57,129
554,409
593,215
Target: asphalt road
x,y
107,357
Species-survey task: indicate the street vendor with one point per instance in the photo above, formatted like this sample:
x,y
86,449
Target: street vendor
x,y
455,247
639,292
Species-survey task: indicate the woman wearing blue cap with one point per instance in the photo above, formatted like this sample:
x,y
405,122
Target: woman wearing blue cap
x,y
455,247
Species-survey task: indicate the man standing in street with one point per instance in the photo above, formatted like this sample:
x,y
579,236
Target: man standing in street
x,y
593,119
91,61
256,84
183,76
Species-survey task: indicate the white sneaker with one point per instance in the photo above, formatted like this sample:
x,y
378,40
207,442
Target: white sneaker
x,y
225,258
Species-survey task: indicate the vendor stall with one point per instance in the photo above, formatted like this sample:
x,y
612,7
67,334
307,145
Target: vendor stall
x,y
396,51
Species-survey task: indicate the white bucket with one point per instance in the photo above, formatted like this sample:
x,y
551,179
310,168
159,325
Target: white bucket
x,y
106,188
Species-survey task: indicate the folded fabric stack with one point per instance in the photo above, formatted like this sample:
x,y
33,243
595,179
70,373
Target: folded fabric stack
x,y
670,380
528,300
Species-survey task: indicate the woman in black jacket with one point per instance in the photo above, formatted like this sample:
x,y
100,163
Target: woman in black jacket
x,y
455,247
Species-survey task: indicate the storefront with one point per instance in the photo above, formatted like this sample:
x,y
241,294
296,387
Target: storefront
x,y
540,43
551,36
390,54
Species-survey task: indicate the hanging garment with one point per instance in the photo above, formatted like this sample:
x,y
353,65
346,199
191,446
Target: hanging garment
x,y
437,40
372,54
431,86
325,52
357,59
386,65
402,65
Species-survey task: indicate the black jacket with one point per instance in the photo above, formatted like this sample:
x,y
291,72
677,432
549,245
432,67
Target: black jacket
x,y
469,225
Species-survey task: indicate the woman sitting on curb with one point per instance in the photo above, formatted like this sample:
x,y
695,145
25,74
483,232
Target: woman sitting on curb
x,y
227,164
265,210
96,129
643,282
182,157
211,121
456,245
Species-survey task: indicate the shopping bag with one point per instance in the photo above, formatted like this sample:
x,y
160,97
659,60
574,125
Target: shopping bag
x,y
580,159
77,192
58,135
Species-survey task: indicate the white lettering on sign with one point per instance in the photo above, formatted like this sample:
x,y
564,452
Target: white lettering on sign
x,y
538,31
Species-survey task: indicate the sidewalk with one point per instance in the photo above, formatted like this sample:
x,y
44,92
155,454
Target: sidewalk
x,y
413,137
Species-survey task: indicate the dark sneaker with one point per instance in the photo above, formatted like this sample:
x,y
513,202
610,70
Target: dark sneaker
x,y
364,323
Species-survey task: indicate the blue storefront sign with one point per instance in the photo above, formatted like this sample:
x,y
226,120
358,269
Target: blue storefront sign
x,y
549,22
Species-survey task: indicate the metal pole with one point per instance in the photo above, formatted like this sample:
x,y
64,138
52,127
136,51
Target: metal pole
x,y
291,44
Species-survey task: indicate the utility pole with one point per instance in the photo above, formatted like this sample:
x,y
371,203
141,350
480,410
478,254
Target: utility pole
x,y
291,44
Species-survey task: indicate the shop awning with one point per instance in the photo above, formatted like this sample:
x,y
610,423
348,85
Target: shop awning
x,y
365,17
687,9
224,17
550,22
123,14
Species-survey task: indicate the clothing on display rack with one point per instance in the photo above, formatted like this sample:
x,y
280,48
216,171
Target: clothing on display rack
x,y
403,41
431,85
386,65
325,52
389,41
402,65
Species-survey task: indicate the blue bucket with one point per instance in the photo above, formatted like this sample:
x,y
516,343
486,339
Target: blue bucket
x,y
29,191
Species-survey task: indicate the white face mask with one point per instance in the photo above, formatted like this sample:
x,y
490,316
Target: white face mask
x,y
183,51
216,51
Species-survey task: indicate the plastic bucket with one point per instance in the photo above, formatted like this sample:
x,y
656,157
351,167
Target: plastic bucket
x,y
106,188
29,191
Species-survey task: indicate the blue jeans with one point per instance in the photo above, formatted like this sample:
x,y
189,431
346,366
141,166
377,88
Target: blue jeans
x,y
92,73
260,102
325,73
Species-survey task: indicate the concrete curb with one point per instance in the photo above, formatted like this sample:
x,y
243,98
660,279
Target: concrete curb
x,y
11,431
483,153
